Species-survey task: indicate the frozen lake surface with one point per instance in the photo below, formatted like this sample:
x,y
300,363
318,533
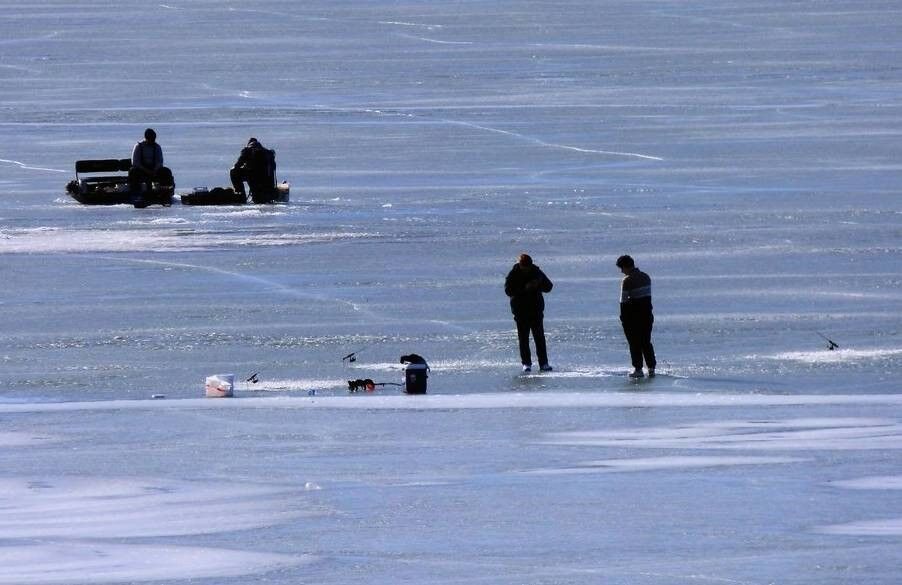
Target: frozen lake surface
x,y
748,155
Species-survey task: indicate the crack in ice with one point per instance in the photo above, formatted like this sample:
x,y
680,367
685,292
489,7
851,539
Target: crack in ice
x,y
29,167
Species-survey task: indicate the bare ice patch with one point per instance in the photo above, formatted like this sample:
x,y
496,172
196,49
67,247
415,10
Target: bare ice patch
x,y
880,527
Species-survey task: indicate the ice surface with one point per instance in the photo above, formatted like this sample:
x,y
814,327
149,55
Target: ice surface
x,y
746,154
73,562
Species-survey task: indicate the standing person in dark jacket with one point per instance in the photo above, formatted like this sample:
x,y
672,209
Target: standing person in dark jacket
x,y
257,166
636,316
525,284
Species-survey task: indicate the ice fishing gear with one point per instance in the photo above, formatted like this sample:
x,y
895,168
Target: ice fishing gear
x,y
831,344
415,374
352,357
253,379
359,385
367,385
220,386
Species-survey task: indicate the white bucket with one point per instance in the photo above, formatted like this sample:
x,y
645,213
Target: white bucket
x,y
220,385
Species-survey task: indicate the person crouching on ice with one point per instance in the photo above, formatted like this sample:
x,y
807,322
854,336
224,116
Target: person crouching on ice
x,y
256,165
525,284
636,316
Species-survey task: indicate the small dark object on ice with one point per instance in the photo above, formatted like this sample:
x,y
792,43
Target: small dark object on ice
x,y
359,385
831,344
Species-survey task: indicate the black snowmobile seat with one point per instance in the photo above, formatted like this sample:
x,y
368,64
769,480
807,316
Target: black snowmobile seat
x,y
106,165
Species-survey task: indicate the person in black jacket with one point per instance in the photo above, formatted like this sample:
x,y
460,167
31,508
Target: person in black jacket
x,y
257,166
636,316
525,284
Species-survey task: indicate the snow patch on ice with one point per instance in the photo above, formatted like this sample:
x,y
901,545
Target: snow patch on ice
x,y
599,372
885,527
236,212
412,24
877,427
19,439
785,435
882,482
73,507
661,463
59,563
467,365
48,241
157,221
835,356
382,366
436,41
68,520
292,385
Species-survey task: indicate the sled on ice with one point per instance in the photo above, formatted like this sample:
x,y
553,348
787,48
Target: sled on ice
x,y
91,188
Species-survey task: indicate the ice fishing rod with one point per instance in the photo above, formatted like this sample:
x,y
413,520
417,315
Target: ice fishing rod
x,y
253,379
832,344
352,357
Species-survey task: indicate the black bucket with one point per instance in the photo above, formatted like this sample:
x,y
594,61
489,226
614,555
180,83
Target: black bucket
x,y
415,378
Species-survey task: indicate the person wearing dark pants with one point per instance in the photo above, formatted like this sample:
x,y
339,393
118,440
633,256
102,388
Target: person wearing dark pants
x,y
525,327
147,166
525,284
256,165
636,316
